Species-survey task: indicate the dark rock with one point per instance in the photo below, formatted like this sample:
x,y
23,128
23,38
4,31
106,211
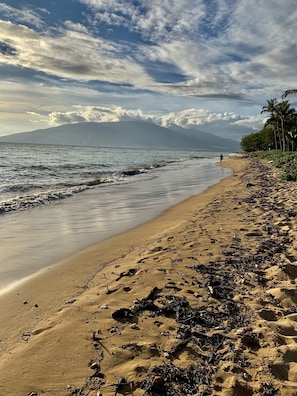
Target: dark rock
x,y
123,315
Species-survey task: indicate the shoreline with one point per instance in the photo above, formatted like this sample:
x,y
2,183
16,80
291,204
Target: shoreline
x,y
56,231
221,263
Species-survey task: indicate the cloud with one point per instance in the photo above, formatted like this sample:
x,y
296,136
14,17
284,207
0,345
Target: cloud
x,y
189,118
221,49
254,122
96,114
196,117
188,62
73,54
25,15
164,21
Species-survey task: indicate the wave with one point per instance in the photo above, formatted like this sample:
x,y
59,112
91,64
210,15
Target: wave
x,y
43,195
26,187
33,200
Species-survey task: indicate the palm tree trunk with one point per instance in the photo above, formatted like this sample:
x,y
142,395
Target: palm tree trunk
x,y
279,138
283,135
275,140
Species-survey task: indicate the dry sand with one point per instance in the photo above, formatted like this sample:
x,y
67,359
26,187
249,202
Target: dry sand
x,y
201,300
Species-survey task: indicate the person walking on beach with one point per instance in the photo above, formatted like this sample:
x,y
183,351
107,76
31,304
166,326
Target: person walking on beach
x,y
221,157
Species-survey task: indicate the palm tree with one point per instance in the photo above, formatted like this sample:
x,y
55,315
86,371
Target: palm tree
x,y
270,107
273,123
273,119
284,113
291,130
280,115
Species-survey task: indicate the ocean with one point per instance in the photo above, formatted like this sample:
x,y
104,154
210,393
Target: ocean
x,y
58,200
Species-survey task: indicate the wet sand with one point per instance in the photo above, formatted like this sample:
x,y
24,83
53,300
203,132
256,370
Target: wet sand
x,y
34,239
201,300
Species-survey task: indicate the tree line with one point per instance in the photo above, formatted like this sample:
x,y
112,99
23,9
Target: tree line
x,y
280,129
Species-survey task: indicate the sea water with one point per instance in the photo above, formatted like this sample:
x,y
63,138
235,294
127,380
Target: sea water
x,y
57,200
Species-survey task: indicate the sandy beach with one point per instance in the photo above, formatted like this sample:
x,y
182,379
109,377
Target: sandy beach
x,y
199,301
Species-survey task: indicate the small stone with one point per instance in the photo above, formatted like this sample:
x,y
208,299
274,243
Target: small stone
x,y
26,336
104,307
134,326
254,233
94,366
71,301
25,302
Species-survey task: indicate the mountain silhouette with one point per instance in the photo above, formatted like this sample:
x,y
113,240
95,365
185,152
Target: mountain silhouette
x,y
133,134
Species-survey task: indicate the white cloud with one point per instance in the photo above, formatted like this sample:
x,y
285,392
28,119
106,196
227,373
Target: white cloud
x,y
16,33
161,21
247,52
226,56
96,114
73,54
189,118
254,122
22,15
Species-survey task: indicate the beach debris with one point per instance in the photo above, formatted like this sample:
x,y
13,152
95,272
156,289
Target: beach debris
x,y
156,249
206,324
110,291
123,386
267,389
133,172
71,301
129,273
242,389
255,233
93,382
123,315
133,347
170,380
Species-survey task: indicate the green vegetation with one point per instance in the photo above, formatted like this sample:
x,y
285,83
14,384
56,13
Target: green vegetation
x,y
286,162
280,129
262,140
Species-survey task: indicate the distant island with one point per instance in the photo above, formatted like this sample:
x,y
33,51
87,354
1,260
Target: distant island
x,y
133,134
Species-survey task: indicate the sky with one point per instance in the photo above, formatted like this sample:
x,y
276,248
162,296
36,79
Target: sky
x,y
204,64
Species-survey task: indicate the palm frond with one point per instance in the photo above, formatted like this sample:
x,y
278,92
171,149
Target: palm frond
x,y
289,92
